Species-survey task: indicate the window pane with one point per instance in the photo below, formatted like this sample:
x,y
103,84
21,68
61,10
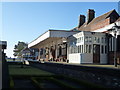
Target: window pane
x,y
90,39
102,49
86,48
95,39
86,39
89,48
102,40
98,40
80,48
105,49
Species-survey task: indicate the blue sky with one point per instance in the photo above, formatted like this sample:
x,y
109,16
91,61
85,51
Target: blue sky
x,y
25,21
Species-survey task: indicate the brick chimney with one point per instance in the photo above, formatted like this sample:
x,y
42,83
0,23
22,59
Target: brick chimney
x,y
81,20
90,15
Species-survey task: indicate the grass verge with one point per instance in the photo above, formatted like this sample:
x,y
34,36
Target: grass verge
x,y
11,83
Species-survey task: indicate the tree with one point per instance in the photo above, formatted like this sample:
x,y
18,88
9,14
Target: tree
x,y
18,48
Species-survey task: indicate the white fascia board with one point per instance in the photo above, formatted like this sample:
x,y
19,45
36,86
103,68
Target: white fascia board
x,y
51,33
58,33
39,39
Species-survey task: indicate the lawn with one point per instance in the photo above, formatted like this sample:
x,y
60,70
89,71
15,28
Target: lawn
x,y
27,70
13,60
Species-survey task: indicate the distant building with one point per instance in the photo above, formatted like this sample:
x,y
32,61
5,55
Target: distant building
x,y
89,42
29,53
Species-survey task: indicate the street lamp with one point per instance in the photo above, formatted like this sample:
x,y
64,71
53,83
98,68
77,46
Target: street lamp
x,y
114,32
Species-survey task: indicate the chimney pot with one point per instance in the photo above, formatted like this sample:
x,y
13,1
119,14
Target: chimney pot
x,y
91,15
81,20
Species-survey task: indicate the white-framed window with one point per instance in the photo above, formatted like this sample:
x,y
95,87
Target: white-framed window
x,y
86,39
90,39
102,40
98,40
77,40
80,39
95,39
105,40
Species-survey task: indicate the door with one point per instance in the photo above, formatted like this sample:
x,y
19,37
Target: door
x,y
96,53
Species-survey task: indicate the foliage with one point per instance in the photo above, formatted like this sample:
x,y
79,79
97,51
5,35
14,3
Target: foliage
x,y
18,48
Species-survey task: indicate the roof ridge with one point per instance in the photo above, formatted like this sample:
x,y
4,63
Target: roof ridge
x,y
103,15
108,12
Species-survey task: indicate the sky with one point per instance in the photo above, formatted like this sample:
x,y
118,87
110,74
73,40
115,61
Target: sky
x,y
25,21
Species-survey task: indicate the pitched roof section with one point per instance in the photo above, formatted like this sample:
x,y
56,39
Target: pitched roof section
x,y
96,22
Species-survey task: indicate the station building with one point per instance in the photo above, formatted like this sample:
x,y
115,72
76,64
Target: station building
x,y
92,41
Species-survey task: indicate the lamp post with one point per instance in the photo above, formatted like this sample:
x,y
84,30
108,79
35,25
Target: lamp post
x,y
114,32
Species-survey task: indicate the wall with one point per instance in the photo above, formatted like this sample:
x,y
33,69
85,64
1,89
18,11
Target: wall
x,y
103,59
75,58
87,58
80,58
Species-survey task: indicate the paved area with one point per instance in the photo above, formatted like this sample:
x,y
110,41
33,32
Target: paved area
x,y
90,65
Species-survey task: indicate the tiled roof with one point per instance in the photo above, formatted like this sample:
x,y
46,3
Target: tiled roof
x,y
87,27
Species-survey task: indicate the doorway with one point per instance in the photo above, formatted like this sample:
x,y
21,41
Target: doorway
x,y
96,53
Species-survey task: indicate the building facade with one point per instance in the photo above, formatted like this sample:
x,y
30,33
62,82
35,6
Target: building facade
x,y
89,42
29,53
88,47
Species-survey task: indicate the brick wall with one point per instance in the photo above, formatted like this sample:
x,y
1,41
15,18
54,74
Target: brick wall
x,y
111,58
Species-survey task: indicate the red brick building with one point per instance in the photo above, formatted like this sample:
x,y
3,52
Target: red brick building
x,y
101,24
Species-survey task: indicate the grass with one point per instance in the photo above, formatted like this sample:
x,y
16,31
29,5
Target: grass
x,y
26,70
13,60
11,83
31,72
39,82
